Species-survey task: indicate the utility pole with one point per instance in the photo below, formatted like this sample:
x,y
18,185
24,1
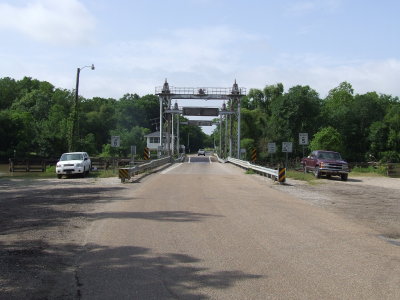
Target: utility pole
x,y
74,130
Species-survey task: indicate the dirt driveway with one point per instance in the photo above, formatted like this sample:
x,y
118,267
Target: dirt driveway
x,y
43,224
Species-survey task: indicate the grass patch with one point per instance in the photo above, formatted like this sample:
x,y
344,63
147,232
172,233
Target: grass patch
x,y
48,173
357,171
104,173
369,171
309,177
250,171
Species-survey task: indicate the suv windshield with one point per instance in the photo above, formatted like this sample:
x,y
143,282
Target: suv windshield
x,y
75,156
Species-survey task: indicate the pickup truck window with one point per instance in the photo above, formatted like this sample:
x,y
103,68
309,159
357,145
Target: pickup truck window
x,y
329,155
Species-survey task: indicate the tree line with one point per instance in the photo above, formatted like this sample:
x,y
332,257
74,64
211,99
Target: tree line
x,y
363,127
36,118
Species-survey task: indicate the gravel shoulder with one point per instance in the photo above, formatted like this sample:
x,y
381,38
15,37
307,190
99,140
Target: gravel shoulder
x,y
373,202
44,222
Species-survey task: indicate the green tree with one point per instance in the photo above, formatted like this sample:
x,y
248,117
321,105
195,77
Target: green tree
x,y
249,145
16,132
133,110
377,138
392,119
98,117
272,93
296,111
8,92
327,138
255,99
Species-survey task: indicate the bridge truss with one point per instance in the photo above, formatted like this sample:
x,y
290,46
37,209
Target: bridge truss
x,y
231,95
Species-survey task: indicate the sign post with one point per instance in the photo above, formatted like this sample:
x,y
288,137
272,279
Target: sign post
x,y
303,140
287,147
115,142
133,153
242,153
271,150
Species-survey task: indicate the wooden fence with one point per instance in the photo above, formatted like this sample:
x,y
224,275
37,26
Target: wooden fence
x,y
40,165
393,170
27,165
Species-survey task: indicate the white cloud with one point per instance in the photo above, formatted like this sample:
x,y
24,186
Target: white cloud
x,y
368,76
55,22
186,50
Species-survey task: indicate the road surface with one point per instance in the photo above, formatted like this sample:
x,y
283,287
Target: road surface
x,y
204,230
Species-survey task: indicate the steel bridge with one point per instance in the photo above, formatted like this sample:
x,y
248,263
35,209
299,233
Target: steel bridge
x,y
167,93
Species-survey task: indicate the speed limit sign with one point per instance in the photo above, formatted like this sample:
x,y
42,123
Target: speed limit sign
x,y
115,141
271,148
303,138
287,147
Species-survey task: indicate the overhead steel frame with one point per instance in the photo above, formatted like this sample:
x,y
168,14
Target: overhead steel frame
x,y
167,93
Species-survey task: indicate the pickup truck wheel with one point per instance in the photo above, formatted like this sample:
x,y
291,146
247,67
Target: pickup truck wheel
x,y
344,177
59,176
317,173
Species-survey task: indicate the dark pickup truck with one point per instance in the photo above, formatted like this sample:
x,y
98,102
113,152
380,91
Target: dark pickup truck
x,y
321,162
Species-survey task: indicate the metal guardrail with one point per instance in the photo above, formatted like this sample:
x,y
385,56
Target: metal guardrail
x,y
221,160
279,174
128,173
181,158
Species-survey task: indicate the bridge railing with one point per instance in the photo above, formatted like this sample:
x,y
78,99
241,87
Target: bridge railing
x,y
275,174
127,173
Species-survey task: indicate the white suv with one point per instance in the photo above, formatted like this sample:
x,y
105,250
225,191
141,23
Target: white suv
x,y
73,163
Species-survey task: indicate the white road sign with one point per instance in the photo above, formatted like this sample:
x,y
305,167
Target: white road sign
x,y
115,141
303,138
133,149
287,147
271,148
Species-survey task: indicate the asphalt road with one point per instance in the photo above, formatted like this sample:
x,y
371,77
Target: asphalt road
x,y
204,230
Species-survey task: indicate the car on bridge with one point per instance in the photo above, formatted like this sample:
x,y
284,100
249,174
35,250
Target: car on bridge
x,y
201,152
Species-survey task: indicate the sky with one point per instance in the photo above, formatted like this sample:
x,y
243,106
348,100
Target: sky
x,y
136,45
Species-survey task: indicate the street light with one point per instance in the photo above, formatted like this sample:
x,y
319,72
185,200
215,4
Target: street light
x,y
77,80
75,124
